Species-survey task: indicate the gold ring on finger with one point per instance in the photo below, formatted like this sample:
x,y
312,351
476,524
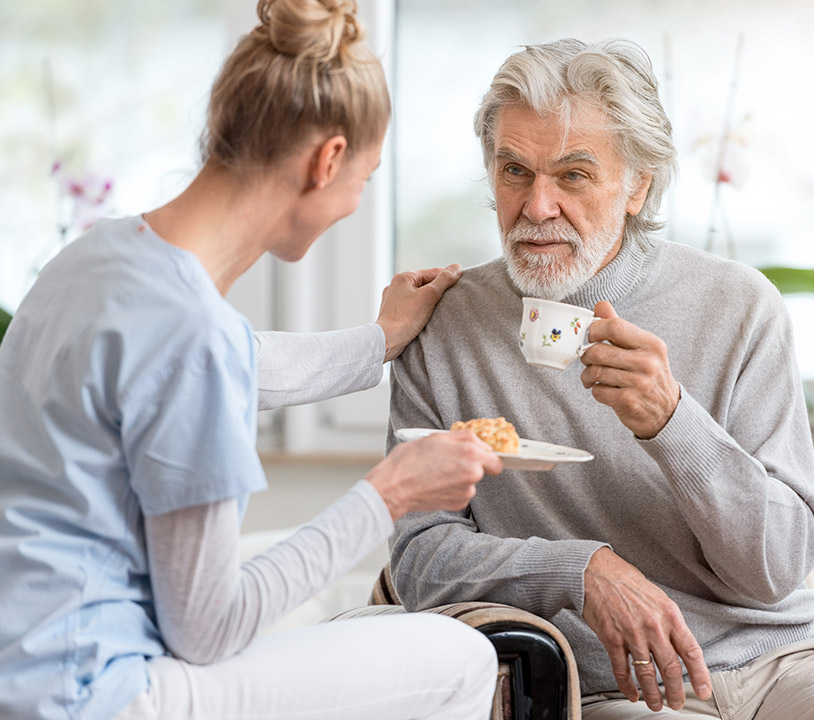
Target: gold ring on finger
x,y
642,662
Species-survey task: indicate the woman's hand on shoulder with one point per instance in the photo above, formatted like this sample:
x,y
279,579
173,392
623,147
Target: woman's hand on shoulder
x,y
408,302
438,472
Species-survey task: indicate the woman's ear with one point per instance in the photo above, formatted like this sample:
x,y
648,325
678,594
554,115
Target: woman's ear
x,y
638,195
326,160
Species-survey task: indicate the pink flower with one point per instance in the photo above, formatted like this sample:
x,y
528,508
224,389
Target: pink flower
x,y
88,194
731,166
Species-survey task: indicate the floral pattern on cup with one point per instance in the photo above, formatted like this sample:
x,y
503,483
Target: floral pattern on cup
x,y
549,343
551,338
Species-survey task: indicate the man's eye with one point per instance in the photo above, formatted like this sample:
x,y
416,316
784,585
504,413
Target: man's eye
x,y
574,175
515,170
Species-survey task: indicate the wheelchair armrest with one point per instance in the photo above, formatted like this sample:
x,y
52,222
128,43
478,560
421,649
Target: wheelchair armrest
x,y
538,671
538,677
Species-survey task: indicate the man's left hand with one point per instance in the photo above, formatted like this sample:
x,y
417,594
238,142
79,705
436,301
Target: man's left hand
x,y
628,370
633,617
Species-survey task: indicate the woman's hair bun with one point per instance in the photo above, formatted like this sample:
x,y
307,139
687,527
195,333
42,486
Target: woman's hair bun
x,y
315,30
303,71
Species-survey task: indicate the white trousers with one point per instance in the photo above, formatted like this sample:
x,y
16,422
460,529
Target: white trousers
x,y
398,667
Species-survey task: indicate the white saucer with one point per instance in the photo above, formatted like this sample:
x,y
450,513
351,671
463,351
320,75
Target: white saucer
x,y
533,455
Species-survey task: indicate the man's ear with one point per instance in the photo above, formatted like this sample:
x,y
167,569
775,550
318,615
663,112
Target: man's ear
x,y
637,197
326,160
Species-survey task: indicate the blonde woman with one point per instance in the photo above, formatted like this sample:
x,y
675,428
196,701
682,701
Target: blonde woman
x,y
128,398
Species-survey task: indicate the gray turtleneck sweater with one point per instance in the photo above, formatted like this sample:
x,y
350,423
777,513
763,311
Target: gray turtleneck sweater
x,y
716,509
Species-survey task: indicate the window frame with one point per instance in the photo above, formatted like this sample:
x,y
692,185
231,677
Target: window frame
x,y
338,284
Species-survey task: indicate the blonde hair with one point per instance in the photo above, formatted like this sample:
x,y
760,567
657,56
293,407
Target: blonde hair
x,y
303,70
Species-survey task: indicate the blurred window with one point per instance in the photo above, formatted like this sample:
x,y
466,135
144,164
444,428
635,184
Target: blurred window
x,y
733,70
101,105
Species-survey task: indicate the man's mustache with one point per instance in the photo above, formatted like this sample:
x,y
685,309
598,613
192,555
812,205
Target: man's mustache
x,y
525,231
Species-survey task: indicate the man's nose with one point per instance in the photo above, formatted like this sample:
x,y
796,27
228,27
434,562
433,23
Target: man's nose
x,y
542,203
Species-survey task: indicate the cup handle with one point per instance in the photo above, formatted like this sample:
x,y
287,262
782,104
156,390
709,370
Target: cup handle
x,y
583,346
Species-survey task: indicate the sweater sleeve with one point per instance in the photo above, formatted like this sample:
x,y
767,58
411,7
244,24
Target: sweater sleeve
x,y
300,368
745,484
210,607
444,557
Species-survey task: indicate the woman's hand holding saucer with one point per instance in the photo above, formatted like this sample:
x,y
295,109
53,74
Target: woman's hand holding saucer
x,y
438,472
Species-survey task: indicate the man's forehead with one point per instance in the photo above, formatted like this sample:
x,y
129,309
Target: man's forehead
x,y
576,137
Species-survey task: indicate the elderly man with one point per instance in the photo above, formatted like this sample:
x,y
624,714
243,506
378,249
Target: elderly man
x,y
675,560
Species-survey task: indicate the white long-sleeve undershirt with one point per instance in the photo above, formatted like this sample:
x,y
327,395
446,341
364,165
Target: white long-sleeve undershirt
x,y
210,606
300,368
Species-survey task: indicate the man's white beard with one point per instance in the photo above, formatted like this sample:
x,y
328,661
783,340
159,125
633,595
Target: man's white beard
x,y
549,277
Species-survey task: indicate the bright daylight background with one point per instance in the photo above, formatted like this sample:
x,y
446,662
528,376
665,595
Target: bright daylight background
x,y
448,50
101,105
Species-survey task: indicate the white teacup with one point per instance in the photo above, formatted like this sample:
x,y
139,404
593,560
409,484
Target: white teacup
x,y
553,334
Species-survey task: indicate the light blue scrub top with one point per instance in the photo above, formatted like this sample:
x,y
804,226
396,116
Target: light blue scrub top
x,y
127,387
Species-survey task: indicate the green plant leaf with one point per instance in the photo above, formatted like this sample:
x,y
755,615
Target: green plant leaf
x,y
5,319
790,280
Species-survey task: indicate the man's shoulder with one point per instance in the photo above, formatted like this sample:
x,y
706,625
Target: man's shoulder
x,y
479,283
474,307
494,269
723,275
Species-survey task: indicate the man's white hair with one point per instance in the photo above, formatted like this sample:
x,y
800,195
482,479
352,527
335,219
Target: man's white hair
x,y
568,75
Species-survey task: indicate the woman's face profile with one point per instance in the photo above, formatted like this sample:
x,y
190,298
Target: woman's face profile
x,y
336,200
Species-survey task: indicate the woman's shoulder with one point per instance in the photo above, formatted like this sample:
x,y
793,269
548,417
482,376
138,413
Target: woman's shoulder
x,y
145,308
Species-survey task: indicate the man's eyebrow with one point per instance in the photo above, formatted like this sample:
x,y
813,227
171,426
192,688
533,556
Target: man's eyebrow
x,y
578,156
510,155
